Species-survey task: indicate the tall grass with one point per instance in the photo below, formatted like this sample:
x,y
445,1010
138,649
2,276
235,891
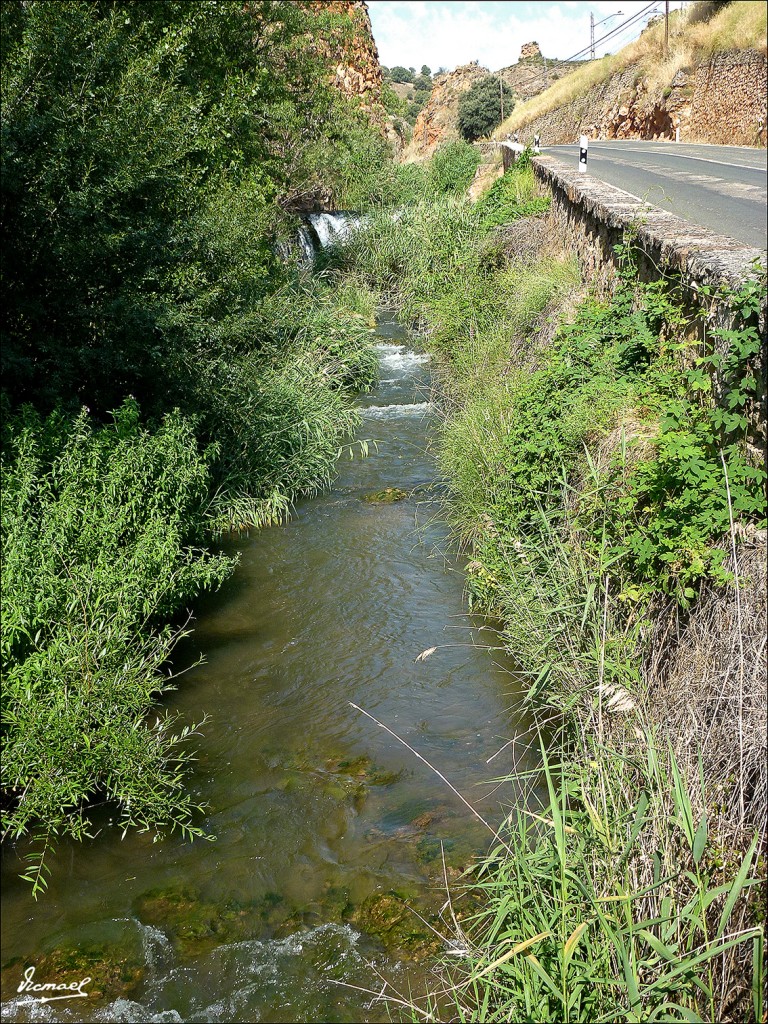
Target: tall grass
x,y
611,905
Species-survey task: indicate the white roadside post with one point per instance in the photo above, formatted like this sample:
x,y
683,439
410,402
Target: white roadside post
x,y
536,143
583,150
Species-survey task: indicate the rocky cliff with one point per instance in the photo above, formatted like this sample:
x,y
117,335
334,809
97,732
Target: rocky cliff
x,y
438,121
534,73
353,55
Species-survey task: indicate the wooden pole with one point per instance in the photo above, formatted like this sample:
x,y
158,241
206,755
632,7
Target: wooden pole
x,y
666,29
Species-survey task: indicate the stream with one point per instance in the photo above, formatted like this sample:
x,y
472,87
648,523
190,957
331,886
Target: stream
x,y
328,829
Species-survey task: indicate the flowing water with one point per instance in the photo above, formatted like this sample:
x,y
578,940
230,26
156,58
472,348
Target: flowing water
x,y
326,826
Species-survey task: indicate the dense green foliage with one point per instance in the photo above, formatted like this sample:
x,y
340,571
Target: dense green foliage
x,y
484,106
401,74
146,148
101,535
664,498
438,260
409,106
511,197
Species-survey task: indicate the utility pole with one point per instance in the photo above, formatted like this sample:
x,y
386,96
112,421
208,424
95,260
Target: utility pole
x,y
501,96
666,29
593,25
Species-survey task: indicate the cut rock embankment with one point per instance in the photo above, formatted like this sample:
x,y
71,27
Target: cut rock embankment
x,y
722,101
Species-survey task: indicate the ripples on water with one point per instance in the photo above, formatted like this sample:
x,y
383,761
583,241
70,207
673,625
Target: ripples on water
x,y
315,809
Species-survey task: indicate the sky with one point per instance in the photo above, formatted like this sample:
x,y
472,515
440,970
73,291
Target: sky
x,y
445,33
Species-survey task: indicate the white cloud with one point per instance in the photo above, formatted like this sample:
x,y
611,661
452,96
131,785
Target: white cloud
x,y
438,33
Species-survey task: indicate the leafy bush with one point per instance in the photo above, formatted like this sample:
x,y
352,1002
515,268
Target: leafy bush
x,y
511,197
99,528
278,415
453,167
662,509
401,74
480,107
144,146
393,104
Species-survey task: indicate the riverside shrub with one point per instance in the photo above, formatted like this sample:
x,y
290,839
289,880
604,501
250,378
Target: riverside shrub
x,y
662,511
101,530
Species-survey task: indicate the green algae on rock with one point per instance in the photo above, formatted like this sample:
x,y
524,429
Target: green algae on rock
x,y
385,497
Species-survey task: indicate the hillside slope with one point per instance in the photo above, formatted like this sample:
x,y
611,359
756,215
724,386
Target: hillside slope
x,y
438,122
712,85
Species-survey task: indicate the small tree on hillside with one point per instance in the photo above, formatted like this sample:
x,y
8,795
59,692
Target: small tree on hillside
x,y
480,108
401,74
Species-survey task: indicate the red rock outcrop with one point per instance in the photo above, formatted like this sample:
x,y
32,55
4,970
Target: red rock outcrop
x,y
438,121
354,56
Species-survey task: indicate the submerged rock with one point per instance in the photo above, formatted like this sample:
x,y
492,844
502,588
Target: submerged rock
x,y
194,925
385,497
387,917
113,972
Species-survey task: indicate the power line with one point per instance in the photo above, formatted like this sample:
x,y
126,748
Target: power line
x,y
619,29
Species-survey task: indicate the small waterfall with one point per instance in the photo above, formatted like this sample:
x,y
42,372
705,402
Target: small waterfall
x,y
318,231
334,227
306,246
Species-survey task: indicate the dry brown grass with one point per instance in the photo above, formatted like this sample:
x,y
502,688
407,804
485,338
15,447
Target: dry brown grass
x,y
738,26
706,678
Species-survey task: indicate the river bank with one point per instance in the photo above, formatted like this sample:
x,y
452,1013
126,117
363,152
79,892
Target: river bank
x,y
615,523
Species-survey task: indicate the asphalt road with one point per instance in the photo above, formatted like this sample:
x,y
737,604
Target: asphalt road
x,y
719,187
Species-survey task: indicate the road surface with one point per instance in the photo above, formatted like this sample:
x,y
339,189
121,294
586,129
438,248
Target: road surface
x,y
719,187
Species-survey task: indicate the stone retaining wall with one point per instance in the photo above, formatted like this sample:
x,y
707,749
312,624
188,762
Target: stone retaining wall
x,y
592,217
729,100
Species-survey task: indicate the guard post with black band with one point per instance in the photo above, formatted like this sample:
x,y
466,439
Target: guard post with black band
x,y
583,150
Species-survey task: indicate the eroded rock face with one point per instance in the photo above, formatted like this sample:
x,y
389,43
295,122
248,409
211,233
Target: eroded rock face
x,y
354,59
438,121
530,51
721,101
